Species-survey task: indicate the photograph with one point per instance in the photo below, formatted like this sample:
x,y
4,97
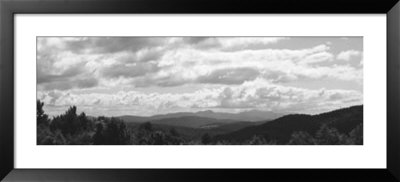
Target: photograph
x,y
197,90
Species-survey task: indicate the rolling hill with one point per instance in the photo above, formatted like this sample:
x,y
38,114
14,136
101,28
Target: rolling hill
x,y
192,122
281,129
195,133
253,115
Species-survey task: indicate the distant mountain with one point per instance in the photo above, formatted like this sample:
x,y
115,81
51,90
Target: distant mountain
x,y
134,119
281,129
192,122
253,115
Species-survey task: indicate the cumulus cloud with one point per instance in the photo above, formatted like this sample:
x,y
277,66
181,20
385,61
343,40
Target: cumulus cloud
x,y
192,65
347,55
231,73
262,94
257,94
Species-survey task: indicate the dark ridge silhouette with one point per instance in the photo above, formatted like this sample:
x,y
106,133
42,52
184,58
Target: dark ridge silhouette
x,y
281,129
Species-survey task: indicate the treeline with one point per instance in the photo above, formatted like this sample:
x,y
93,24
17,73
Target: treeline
x,y
72,128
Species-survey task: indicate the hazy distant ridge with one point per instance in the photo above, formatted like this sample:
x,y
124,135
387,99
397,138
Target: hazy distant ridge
x,y
253,115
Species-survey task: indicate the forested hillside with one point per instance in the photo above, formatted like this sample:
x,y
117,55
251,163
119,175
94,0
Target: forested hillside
x,y
340,127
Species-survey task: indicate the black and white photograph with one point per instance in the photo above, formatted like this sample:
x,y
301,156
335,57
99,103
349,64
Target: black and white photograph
x,y
199,90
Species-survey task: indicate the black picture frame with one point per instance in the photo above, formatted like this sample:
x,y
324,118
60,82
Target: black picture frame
x,y
9,8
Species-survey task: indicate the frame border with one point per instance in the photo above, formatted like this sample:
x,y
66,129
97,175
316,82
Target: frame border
x,y
8,8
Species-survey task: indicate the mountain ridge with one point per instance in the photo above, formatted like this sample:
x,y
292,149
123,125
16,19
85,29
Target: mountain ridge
x,y
280,129
251,115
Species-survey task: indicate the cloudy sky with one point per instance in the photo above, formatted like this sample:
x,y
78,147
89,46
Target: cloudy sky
x,y
155,75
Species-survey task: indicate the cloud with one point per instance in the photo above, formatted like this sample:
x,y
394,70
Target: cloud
x,y
231,43
172,66
262,94
347,55
66,84
195,40
240,43
53,77
256,94
72,71
128,70
144,75
318,58
106,45
229,76
186,66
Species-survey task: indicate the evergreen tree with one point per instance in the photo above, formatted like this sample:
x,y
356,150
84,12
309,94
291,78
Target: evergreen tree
x,y
356,135
98,138
302,138
41,117
327,135
116,133
205,139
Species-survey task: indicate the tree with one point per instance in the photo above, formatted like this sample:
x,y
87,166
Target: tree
x,y
302,138
327,135
67,122
70,123
173,132
147,126
356,135
257,140
260,140
43,134
41,117
47,137
83,122
116,133
98,138
158,138
205,139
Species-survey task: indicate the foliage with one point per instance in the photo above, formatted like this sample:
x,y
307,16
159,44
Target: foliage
x,y
340,121
71,128
41,117
328,135
259,140
206,139
114,132
356,136
302,138
147,135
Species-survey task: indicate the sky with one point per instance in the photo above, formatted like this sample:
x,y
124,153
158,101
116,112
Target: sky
x,y
114,76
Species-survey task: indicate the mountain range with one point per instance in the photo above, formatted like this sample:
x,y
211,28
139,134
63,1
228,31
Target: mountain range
x,y
269,125
252,115
344,120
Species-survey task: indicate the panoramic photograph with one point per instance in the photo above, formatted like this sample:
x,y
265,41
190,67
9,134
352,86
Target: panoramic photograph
x,y
199,90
